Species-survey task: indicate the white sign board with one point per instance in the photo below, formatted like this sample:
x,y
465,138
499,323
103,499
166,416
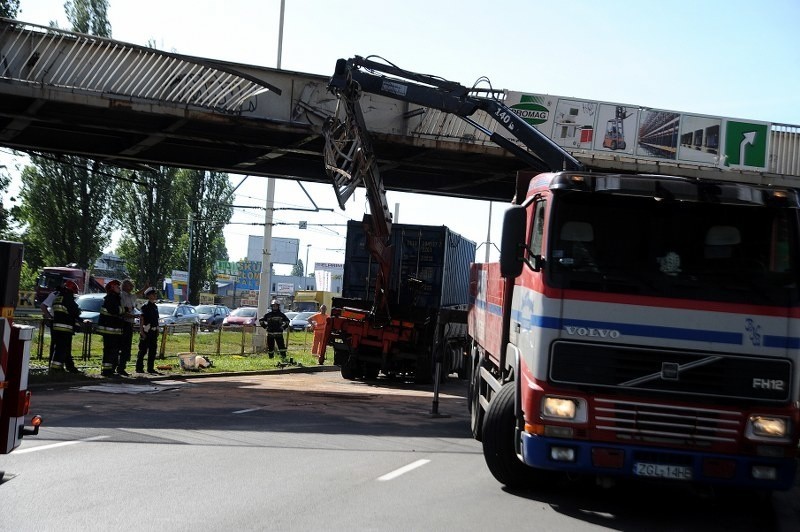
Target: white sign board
x,y
284,250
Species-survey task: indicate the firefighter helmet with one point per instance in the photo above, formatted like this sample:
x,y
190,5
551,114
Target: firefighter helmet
x,y
112,283
275,303
71,286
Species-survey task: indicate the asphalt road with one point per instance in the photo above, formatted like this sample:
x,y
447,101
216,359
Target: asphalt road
x,y
309,451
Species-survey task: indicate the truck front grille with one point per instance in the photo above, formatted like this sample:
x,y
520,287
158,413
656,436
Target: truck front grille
x,y
655,423
653,371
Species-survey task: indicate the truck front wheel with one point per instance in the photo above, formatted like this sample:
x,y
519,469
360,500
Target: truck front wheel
x,y
498,442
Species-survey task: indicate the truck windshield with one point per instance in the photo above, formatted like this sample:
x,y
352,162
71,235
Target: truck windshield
x,y
50,281
685,249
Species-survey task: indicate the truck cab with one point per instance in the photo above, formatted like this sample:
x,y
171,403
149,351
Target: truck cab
x,y
648,327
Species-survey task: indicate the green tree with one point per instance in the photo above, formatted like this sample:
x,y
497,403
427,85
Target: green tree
x,y
297,269
64,207
5,215
89,16
9,8
27,277
206,193
152,217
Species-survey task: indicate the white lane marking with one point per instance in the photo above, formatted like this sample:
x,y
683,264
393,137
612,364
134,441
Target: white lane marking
x,y
405,469
59,444
248,410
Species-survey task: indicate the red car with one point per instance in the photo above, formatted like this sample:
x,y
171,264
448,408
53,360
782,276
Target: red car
x,y
241,316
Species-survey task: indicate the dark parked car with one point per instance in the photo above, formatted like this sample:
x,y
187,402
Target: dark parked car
x,y
211,316
174,314
241,316
300,322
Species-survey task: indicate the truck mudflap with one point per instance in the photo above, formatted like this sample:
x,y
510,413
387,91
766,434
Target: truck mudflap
x,y
603,459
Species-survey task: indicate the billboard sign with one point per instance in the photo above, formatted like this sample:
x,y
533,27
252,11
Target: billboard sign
x,y
588,126
283,250
249,275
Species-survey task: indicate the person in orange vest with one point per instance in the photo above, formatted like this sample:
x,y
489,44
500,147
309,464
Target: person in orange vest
x,y
318,322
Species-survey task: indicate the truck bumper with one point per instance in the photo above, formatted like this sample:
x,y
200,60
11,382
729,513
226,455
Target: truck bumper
x,y
599,458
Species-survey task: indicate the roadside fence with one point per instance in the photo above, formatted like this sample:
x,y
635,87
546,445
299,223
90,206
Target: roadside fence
x,y
173,340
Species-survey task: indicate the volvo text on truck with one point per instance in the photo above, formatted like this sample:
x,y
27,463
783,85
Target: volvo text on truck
x,y
636,325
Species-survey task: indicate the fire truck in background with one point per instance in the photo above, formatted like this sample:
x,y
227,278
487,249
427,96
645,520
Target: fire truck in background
x,y
52,277
14,356
639,326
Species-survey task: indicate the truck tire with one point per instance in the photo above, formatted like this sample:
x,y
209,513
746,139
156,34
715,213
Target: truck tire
x,y
498,442
474,402
348,371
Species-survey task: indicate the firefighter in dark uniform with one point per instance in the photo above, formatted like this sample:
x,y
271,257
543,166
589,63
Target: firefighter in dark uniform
x,y
275,322
65,321
110,324
148,333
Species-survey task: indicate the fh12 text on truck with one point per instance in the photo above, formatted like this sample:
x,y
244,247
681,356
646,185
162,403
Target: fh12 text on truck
x,y
636,325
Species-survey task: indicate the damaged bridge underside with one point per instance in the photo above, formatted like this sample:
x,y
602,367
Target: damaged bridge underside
x,y
137,134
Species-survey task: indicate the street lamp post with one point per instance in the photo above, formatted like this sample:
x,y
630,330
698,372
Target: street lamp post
x,y
308,246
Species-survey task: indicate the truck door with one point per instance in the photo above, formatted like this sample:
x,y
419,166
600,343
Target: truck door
x,y
528,295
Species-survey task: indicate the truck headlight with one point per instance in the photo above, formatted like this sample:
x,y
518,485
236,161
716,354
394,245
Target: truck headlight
x,y
564,408
772,427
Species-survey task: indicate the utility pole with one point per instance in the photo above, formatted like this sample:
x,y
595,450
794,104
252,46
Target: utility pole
x,y
189,272
265,282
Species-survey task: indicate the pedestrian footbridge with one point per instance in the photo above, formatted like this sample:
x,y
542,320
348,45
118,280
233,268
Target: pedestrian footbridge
x,y
133,106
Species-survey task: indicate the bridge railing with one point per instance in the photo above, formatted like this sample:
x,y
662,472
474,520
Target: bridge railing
x,y
784,151
54,57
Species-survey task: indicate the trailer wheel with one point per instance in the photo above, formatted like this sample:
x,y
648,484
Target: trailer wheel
x,y
498,442
474,402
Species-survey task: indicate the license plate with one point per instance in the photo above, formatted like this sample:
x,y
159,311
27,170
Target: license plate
x,y
643,469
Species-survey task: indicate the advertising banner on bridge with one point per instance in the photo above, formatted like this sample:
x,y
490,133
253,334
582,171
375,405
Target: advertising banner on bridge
x,y
635,131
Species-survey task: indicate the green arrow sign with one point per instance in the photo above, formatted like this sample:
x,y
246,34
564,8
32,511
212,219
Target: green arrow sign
x,y
746,144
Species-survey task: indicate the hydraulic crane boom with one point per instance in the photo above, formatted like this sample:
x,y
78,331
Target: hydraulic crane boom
x,y
350,161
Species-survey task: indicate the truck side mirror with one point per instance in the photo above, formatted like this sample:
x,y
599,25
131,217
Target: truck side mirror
x,y
512,243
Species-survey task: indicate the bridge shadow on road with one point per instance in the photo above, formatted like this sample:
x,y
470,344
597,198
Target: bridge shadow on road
x,y
319,404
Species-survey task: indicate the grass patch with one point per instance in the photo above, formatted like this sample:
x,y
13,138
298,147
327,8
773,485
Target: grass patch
x,y
229,351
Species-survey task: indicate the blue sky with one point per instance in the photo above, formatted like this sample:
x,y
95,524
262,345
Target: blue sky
x,y
730,58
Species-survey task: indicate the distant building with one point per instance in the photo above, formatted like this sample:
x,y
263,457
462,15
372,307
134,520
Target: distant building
x,y
109,266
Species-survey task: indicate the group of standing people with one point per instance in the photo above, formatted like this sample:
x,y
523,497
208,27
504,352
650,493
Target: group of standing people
x,y
275,322
116,325
117,322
